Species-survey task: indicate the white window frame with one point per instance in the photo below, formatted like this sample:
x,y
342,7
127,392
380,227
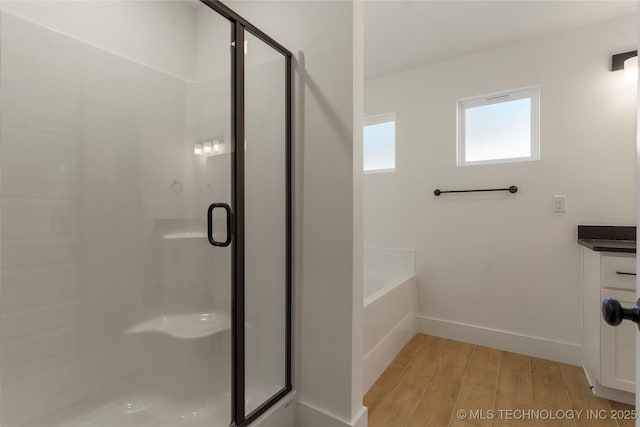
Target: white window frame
x,y
531,92
375,120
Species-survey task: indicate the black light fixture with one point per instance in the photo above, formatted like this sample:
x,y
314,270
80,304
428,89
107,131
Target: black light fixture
x,y
617,60
627,61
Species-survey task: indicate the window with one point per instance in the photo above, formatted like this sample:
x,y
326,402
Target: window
x,y
379,141
499,127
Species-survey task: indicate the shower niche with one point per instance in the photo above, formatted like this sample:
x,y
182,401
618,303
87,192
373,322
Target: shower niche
x,y
116,309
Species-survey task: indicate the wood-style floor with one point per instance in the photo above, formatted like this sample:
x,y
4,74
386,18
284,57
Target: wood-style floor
x,y
433,378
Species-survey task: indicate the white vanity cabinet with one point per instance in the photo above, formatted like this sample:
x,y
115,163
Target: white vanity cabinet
x,y
617,347
608,351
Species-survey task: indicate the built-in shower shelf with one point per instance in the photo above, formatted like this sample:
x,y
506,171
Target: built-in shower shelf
x,y
185,326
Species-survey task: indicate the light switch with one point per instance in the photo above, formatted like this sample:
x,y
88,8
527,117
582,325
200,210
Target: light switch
x,y
559,203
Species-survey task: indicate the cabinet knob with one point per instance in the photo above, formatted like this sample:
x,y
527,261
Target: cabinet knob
x,y
613,313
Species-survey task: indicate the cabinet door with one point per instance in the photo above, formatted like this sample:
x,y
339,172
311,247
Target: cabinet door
x,y
617,349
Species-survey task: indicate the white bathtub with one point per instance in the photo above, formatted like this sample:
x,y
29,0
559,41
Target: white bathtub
x,y
390,306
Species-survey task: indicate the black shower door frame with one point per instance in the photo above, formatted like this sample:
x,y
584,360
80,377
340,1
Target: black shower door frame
x,y
238,27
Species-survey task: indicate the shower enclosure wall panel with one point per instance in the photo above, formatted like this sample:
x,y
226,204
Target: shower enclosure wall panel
x,y
103,245
115,138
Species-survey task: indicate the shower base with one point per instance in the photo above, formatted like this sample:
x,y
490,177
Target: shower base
x,y
150,411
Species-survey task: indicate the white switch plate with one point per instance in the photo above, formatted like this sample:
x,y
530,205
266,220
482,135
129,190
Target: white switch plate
x,y
559,203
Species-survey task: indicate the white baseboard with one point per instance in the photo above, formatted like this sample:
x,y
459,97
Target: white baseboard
x,y
381,356
310,416
362,419
609,393
559,351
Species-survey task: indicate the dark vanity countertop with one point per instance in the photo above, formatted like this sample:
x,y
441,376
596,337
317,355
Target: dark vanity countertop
x,y
628,246
608,238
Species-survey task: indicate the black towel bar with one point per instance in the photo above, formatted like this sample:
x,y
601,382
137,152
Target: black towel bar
x,y
511,189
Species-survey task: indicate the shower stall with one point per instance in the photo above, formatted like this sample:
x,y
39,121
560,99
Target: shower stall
x,y
145,165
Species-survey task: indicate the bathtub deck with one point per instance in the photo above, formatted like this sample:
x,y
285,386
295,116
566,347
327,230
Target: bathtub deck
x,y
433,378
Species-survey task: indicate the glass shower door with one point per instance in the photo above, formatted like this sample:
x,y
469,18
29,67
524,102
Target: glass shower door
x,y
266,224
115,310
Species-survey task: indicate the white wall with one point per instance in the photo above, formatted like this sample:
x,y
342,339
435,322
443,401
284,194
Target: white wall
x,y
497,268
328,331
165,41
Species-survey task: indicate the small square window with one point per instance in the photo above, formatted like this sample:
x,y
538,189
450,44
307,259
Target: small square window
x,y
499,128
379,143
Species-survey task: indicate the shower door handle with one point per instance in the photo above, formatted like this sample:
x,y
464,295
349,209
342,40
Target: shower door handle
x,y
229,219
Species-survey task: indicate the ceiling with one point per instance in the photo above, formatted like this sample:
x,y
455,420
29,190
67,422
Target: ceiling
x,y
400,34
